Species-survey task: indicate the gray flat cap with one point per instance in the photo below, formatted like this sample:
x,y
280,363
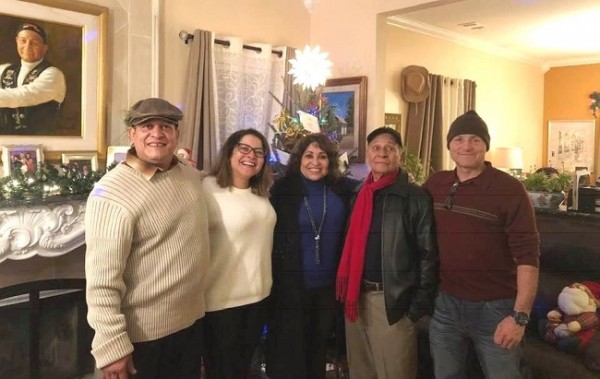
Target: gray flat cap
x,y
153,108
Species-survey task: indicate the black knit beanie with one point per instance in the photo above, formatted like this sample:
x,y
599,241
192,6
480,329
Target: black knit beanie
x,y
469,123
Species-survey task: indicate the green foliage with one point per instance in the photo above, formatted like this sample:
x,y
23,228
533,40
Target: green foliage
x,y
288,128
539,182
47,181
414,168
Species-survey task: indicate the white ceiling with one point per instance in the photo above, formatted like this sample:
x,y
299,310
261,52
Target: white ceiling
x,y
548,33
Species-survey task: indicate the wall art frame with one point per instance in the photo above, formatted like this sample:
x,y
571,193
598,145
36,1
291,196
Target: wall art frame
x,y
572,144
92,20
349,95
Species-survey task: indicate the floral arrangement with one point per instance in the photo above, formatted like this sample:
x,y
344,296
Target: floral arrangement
x,y
309,112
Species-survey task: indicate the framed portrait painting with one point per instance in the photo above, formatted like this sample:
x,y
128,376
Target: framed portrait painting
x,y
61,101
349,96
571,144
21,157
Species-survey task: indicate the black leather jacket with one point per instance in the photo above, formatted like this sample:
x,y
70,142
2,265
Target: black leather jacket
x,y
409,250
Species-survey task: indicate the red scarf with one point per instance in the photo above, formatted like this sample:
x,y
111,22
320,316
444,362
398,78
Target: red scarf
x,y
350,271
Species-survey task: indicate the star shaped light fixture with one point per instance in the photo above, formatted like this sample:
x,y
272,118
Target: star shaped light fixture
x,y
310,68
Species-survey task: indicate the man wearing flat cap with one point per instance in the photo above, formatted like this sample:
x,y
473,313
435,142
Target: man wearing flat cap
x,y
489,258
147,250
31,91
387,276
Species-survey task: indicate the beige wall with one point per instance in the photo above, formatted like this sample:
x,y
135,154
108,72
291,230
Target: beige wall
x,y
509,93
353,32
277,22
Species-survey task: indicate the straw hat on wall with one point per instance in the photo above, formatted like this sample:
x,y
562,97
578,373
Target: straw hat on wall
x,y
414,84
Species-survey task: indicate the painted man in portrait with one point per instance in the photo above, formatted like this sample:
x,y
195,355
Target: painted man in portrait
x,y
31,91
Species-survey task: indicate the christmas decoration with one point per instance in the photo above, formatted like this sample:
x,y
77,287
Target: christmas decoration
x,y
46,182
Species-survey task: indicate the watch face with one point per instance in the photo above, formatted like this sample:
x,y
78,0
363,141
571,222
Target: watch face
x,y
521,318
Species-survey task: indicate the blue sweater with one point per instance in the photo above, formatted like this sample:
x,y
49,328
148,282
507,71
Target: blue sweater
x,y
332,233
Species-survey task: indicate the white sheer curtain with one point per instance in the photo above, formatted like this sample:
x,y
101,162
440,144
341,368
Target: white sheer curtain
x,y
244,79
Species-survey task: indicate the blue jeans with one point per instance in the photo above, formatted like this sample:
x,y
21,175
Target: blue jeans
x,y
455,321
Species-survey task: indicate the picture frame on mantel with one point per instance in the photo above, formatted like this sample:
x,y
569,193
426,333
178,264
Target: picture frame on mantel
x,y
21,157
349,96
77,44
82,161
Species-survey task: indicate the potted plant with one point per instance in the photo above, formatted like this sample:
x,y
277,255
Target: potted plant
x,y
547,192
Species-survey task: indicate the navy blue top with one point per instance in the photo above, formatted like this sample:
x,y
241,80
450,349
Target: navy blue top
x,y
373,263
332,233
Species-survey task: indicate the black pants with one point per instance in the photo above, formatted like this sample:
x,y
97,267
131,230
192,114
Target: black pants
x,y
299,333
177,355
231,337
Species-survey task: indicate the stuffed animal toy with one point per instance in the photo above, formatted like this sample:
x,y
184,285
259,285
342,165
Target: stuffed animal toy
x,y
185,155
572,325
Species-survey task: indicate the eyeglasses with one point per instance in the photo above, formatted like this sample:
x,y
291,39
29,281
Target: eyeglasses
x,y
246,149
449,203
386,149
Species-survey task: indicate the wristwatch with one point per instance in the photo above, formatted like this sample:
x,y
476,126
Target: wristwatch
x,y
521,318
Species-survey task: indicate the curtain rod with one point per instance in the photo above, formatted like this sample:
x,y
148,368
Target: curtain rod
x,y
186,37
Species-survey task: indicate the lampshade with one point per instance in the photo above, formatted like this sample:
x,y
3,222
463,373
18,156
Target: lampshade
x,y
509,158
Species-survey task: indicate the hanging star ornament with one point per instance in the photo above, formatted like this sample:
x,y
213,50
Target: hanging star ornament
x,y
310,68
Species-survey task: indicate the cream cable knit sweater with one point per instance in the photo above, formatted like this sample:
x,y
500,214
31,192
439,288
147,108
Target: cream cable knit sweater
x,y
147,251
241,239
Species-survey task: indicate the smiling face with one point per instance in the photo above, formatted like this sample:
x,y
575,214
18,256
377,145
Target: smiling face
x,y
383,155
30,46
314,164
245,165
468,152
155,141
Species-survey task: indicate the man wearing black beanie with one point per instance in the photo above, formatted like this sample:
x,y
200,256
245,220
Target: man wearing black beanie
x,y
489,258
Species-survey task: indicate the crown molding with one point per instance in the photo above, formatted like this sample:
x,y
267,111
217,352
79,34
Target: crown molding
x,y
457,38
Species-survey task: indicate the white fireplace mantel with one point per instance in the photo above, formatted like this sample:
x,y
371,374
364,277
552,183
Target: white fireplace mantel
x,y
47,230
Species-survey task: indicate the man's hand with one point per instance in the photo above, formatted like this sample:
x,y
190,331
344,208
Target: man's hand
x,y
508,333
120,369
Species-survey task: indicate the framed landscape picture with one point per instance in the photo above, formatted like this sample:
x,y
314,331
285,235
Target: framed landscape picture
x,y
349,96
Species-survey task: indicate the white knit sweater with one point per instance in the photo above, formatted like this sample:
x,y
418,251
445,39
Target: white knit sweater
x,y
241,238
147,251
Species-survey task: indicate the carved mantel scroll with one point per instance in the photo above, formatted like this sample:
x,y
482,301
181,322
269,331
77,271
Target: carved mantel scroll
x,y
48,230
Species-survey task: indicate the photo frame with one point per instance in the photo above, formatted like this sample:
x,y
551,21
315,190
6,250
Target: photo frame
x,y
349,95
82,161
571,144
116,154
394,120
21,157
85,75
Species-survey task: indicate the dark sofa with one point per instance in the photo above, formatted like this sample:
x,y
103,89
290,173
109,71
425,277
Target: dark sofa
x,y
570,252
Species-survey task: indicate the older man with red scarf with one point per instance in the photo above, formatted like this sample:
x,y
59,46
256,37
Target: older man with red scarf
x,y
387,278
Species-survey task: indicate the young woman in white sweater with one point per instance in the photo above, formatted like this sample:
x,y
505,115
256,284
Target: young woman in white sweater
x,y
241,223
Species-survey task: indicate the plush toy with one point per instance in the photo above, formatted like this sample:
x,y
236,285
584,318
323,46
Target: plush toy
x,y
185,155
572,325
